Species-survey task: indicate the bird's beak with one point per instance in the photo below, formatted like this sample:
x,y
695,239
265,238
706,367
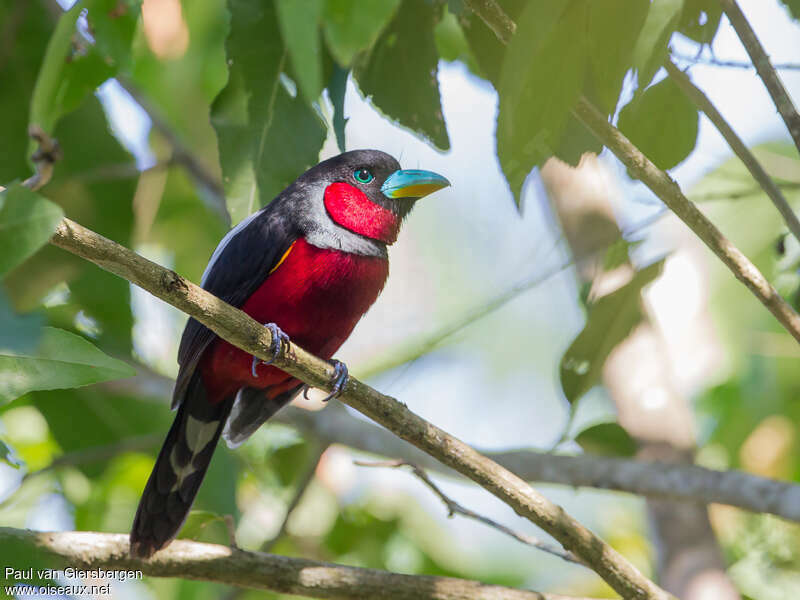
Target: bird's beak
x,y
412,183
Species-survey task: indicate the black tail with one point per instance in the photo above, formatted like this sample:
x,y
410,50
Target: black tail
x,y
179,470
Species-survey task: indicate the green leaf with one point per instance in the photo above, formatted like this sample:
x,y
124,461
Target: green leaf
x,y
28,39
70,71
700,20
196,523
609,321
27,221
652,46
62,360
18,332
793,6
530,122
299,25
400,74
662,122
113,24
614,26
606,439
266,136
351,26
337,87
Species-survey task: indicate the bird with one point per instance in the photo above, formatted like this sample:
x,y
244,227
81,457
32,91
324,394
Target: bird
x,y
308,266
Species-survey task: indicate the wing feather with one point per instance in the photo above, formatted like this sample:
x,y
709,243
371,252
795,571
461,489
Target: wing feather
x,y
239,265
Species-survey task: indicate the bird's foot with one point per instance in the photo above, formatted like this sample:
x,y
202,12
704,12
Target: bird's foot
x,y
278,339
338,381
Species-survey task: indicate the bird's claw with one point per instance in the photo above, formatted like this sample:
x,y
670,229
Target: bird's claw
x,y
278,339
338,381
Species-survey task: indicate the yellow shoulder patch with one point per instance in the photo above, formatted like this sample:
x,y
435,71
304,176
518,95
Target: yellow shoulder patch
x,y
283,258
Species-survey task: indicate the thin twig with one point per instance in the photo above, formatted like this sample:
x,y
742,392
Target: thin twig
x,y
737,145
44,158
733,64
454,508
281,574
766,71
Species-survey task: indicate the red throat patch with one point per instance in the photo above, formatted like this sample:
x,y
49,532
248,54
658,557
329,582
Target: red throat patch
x,y
352,209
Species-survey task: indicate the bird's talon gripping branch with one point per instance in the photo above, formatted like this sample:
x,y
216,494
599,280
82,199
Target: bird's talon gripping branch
x,y
278,339
338,381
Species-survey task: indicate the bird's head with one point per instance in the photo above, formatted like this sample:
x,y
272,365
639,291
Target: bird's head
x,y
366,191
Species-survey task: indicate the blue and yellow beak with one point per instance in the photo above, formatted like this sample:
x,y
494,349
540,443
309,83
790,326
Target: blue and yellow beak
x,y
412,183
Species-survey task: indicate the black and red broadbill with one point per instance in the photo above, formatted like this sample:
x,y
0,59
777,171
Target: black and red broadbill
x,y
308,266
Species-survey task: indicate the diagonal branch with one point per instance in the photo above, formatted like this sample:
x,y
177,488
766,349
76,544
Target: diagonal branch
x,y
665,188
670,194
783,102
242,331
281,574
737,145
454,508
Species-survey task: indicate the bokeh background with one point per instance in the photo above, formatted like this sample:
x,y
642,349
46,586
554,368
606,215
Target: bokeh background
x,y
78,459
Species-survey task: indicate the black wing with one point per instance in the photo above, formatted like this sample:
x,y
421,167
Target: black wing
x,y
239,266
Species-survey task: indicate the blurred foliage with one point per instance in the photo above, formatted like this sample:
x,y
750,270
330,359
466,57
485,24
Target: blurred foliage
x,y
249,86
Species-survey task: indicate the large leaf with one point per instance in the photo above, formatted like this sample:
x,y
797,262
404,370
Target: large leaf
x,y
400,74
62,360
609,321
27,221
351,26
266,136
662,122
299,25
537,92
614,27
652,46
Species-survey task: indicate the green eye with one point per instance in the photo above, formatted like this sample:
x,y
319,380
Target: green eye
x,y
363,176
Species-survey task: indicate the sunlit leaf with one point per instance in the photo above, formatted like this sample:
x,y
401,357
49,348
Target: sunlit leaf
x,y
266,136
27,221
62,360
608,322
662,123
651,47
530,122
400,75
606,439
614,27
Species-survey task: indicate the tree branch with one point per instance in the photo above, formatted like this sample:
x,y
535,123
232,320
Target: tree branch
x,y
242,331
737,145
454,508
688,483
733,64
670,194
221,564
769,76
663,186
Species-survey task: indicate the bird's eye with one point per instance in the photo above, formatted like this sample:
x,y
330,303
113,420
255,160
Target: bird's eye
x,y
363,176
